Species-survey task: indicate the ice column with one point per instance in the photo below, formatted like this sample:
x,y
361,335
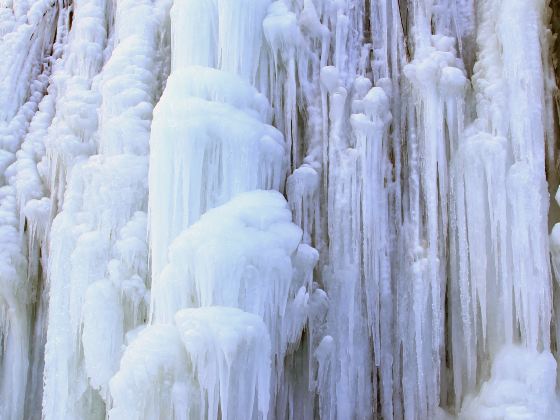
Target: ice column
x,y
211,138
98,266
500,281
436,79
221,246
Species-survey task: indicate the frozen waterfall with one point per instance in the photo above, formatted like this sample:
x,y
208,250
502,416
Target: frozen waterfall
x,y
279,210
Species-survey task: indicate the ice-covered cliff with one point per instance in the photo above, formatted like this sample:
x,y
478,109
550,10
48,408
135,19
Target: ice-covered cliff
x,y
290,209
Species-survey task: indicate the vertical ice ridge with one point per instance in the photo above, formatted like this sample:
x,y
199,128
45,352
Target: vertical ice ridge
x,y
24,75
98,266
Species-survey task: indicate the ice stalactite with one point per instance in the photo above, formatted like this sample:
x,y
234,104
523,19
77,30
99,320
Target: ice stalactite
x,y
501,203
438,85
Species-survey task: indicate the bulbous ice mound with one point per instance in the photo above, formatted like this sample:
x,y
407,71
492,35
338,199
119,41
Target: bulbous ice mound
x,y
219,149
230,353
521,386
244,254
218,86
212,360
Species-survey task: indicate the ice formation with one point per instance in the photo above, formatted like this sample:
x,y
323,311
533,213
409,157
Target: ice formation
x,y
192,363
289,209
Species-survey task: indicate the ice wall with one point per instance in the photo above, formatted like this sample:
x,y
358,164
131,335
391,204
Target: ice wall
x,y
220,243
290,209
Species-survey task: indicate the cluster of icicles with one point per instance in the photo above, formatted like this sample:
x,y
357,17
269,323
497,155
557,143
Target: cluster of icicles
x,y
290,209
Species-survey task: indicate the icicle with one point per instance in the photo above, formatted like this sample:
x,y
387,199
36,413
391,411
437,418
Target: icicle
x,y
218,341
480,277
